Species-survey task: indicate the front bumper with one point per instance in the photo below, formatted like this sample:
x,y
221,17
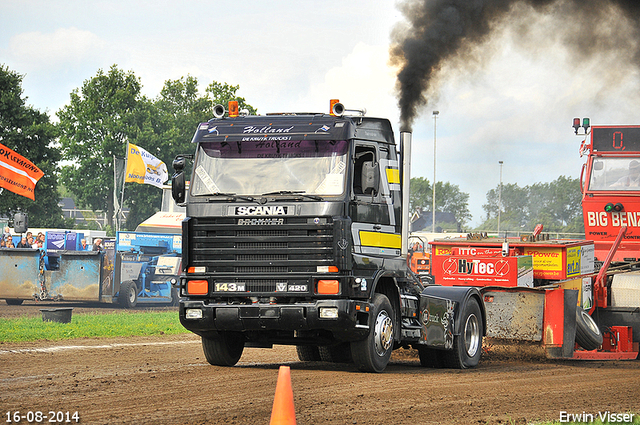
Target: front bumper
x,y
350,321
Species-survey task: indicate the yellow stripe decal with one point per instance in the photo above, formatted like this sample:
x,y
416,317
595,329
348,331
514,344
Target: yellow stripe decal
x,y
382,240
393,175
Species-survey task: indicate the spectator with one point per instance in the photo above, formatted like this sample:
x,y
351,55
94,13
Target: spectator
x,y
30,240
39,243
10,243
23,243
7,232
97,245
83,245
3,244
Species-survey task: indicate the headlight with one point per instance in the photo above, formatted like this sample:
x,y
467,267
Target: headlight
x,y
193,313
328,312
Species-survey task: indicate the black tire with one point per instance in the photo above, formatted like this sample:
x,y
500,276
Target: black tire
x,y
340,353
467,347
13,301
224,349
308,353
128,295
588,335
429,357
372,354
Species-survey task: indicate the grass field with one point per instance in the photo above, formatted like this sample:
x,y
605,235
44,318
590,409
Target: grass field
x,y
91,325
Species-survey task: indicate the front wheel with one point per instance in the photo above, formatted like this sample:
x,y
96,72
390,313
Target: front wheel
x,y
373,353
467,347
224,349
128,296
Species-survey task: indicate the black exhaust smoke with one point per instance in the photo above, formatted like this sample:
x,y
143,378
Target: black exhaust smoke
x,y
439,31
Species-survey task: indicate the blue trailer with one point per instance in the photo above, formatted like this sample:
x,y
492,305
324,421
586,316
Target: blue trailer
x,y
135,268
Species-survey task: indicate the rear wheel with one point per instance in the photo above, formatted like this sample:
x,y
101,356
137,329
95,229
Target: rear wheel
x,y
224,349
373,353
308,353
467,347
128,296
588,335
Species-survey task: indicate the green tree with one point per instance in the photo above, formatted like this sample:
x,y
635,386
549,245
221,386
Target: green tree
x,y
555,205
167,129
29,132
449,198
95,126
420,194
108,111
222,93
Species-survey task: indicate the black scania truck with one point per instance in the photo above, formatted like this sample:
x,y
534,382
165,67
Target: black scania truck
x,y
296,234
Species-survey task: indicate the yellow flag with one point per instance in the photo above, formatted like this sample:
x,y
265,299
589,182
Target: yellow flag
x,y
144,168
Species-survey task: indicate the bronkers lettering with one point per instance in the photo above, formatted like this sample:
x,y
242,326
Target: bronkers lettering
x,y
615,219
261,210
260,221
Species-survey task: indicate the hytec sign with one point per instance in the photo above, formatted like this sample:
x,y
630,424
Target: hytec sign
x,y
483,271
556,260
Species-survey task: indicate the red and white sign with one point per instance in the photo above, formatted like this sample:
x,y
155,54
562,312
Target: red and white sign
x,y
483,271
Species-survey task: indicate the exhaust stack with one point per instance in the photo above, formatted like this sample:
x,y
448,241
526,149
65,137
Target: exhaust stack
x,y
405,152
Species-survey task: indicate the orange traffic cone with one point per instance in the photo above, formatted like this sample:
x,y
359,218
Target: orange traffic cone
x,y
283,412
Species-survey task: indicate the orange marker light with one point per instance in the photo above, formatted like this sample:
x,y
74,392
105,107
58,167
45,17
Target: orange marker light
x,y
197,287
233,108
331,103
328,287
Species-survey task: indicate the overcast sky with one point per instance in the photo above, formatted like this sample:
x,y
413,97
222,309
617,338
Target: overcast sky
x,y
515,104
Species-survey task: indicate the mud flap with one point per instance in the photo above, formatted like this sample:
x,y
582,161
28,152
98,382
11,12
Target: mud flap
x,y
560,323
440,306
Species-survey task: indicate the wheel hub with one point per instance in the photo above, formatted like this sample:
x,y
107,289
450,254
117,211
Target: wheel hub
x,y
383,333
472,335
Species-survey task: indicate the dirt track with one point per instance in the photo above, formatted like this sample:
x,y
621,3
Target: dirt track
x,y
166,380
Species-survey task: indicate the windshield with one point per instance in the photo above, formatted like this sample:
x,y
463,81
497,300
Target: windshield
x,y
615,174
259,167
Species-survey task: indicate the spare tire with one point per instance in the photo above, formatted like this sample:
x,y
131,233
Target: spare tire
x,y
588,335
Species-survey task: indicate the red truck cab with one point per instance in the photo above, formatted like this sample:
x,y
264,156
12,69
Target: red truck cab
x,y
610,184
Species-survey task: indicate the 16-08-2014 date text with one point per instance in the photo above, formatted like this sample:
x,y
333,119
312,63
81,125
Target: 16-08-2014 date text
x,y
37,417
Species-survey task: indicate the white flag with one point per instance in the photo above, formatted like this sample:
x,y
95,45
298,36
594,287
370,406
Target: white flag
x,y
142,167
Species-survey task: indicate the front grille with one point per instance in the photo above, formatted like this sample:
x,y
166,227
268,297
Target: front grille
x,y
262,256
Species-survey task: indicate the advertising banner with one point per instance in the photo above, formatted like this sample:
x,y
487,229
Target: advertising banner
x,y
17,173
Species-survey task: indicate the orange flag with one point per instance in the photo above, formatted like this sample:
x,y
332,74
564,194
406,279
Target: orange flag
x,y
17,173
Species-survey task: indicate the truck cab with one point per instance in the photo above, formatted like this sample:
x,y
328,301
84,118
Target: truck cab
x,y
294,235
610,185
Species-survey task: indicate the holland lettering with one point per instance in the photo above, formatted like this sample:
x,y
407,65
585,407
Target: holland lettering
x,y
266,129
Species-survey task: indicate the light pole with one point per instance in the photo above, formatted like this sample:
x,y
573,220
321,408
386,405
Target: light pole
x,y
499,197
433,205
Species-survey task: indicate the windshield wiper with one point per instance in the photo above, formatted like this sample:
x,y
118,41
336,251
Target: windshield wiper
x,y
232,195
293,192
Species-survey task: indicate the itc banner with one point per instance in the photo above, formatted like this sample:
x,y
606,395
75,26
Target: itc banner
x,y
18,174
142,167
